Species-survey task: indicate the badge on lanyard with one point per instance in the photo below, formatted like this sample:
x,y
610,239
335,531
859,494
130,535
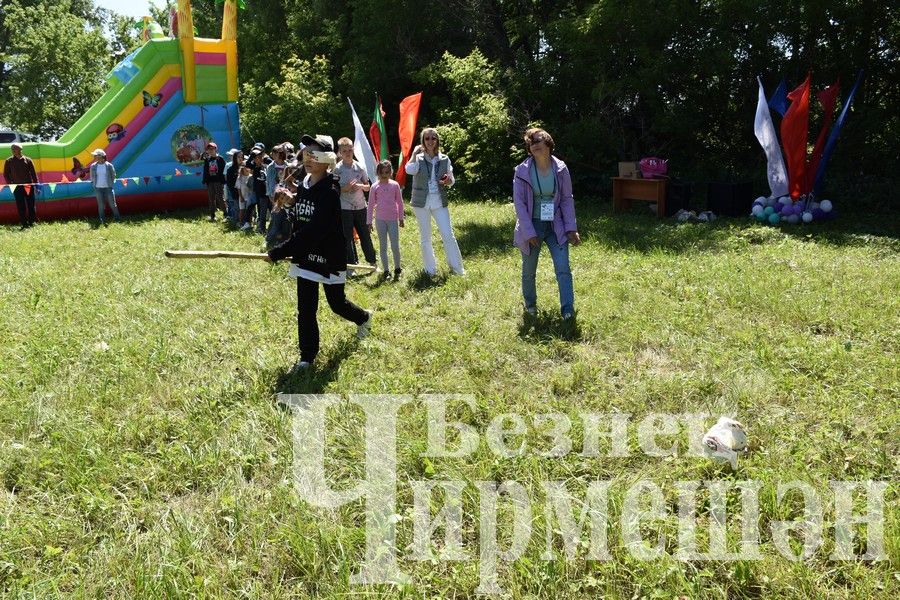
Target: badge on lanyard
x,y
547,208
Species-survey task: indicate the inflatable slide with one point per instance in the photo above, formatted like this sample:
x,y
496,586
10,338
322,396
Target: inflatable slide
x,y
163,104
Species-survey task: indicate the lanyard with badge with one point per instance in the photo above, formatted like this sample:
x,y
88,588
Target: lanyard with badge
x,y
547,208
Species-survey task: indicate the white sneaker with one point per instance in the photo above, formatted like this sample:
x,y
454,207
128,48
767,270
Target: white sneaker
x,y
531,310
363,330
246,227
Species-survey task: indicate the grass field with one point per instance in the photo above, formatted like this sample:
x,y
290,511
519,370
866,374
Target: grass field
x,y
143,453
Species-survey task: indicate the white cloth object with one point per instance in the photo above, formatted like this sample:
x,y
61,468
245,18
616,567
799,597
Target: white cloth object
x,y
362,151
765,133
724,440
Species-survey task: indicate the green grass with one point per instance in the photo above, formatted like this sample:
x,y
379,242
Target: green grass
x,y
143,454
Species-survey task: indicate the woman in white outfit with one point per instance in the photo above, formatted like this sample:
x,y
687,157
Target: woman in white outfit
x,y
432,177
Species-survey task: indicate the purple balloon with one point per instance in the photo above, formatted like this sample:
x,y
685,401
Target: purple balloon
x,y
778,206
817,214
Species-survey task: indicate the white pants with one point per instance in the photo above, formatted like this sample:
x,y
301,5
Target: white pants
x,y
451,248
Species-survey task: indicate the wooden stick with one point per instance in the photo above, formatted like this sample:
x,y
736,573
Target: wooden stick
x,y
244,255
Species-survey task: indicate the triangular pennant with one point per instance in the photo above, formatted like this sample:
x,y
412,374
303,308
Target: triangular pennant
x,y
12,187
124,182
146,180
1,188
78,180
52,187
157,178
168,178
177,173
64,179
27,188
136,179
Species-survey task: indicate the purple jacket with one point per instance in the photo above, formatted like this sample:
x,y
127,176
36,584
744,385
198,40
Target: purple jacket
x,y
523,200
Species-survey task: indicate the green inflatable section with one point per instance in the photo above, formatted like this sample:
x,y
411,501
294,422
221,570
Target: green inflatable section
x,y
149,59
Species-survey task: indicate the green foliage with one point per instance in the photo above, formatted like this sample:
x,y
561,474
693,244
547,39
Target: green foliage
x,y
473,120
300,101
56,66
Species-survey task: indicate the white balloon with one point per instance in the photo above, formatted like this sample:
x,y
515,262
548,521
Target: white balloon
x,y
757,210
807,217
825,205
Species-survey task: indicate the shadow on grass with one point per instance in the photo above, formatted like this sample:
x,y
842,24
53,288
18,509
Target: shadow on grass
x,y
315,379
480,239
422,281
545,325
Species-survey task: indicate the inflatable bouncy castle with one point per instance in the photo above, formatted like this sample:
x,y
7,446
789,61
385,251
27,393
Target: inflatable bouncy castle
x,y
164,103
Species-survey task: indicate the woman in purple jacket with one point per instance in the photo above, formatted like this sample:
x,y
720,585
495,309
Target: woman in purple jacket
x,y
545,212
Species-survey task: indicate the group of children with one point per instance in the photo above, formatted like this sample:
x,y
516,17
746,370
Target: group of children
x,y
260,185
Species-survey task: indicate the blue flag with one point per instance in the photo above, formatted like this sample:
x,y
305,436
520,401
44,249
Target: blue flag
x,y
779,102
832,137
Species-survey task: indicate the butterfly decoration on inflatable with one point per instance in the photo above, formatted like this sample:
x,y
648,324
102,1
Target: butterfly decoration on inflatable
x,y
151,100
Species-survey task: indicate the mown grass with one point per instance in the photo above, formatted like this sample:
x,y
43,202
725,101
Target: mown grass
x,y
143,454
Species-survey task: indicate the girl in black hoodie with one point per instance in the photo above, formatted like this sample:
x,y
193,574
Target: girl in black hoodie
x,y
317,248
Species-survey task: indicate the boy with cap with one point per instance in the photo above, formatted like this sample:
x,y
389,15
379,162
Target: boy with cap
x,y
317,248
19,171
103,175
214,179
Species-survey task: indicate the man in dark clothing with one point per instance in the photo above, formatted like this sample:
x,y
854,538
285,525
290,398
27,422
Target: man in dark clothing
x,y
19,170
214,179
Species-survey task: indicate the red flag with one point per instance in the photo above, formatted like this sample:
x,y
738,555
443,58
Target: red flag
x,y
827,99
794,131
377,133
409,117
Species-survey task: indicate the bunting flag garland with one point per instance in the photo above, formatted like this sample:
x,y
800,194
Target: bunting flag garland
x,y
177,173
52,187
409,118
12,187
64,179
27,188
168,178
136,180
146,180
124,183
158,179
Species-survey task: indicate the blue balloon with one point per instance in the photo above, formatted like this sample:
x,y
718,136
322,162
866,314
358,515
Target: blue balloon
x,y
774,219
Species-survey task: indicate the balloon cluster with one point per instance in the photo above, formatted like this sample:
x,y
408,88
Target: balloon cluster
x,y
785,210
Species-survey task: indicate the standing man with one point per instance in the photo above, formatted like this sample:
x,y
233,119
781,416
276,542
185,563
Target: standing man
x,y
214,179
19,170
103,175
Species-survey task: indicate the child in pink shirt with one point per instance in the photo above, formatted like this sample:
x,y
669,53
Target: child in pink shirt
x,y
386,205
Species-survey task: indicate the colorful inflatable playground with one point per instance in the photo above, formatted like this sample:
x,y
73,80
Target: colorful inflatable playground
x,y
164,103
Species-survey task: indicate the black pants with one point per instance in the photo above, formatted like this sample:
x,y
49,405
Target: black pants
x,y
308,305
351,219
25,204
262,210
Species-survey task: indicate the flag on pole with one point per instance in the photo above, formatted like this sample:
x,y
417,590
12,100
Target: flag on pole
x,y
377,132
779,102
765,133
827,99
362,151
832,138
794,131
409,117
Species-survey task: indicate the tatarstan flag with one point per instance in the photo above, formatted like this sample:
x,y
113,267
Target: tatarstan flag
x,y
377,132
409,117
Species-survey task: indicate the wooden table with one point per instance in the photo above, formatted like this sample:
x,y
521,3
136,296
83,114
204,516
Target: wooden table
x,y
652,190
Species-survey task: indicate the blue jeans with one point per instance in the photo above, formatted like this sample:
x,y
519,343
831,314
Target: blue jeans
x,y
560,255
106,196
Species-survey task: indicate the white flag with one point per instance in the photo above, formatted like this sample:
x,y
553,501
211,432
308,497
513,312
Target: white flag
x,y
765,133
362,150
